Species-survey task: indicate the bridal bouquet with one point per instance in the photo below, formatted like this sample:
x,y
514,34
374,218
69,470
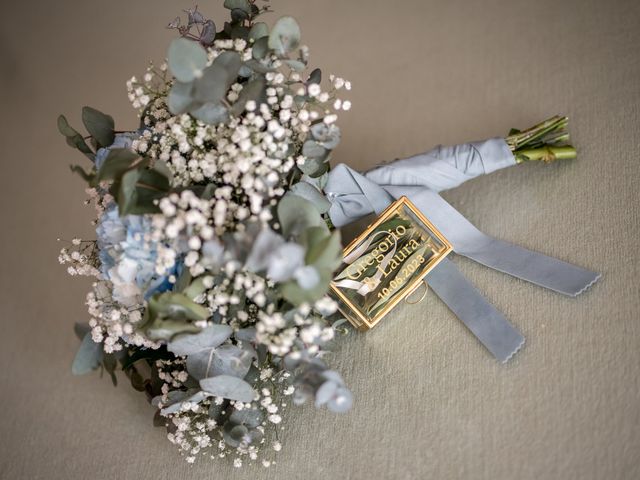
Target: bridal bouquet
x,y
215,287
213,254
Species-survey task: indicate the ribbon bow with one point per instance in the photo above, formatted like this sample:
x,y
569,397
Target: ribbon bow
x,y
354,195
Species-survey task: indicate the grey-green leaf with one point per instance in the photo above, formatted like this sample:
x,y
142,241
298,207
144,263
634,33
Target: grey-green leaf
x,y
285,36
259,30
99,125
229,387
89,356
117,162
243,5
209,337
297,214
311,193
187,59
251,91
225,360
211,113
180,97
249,417
313,149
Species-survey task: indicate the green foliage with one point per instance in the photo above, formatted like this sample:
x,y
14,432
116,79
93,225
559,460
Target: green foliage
x,y
311,193
229,387
209,337
285,36
74,139
187,59
89,356
296,214
169,314
99,126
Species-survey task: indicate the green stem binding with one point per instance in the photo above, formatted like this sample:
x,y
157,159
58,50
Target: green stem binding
x,y
545,142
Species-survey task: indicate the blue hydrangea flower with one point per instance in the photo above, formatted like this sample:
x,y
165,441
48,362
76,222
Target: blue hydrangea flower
x,y
128,260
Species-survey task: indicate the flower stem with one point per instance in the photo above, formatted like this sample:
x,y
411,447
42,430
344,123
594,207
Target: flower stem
x,y
545,141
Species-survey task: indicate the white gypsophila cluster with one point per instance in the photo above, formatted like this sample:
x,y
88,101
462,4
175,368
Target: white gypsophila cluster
x,y
113,323
247,158
195,433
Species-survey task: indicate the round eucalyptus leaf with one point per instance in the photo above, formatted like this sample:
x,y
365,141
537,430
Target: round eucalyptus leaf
x,y
314,167
311,193
248,416
229,387
208,34
211,113
243,5
258,31
296,214
260,48
89,356
313,149
315,77
327,136
341,401
325,393
295,65
180,97
209,337
285,36
186,59
238,15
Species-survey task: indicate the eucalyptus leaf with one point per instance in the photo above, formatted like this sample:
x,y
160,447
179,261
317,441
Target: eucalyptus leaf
x,y
249,417
313,149
238,15
211,113
314,167
229,387
81,329
260,48
89,356
99,126
285,36
180,99
342,402
213,85
187,59
74,139
166,329
311,193
295,65
297,214
328,136
326,391
118,161
253,90
315,77
243,5
258,30
225,360
127,195
208,337
325,253
208,34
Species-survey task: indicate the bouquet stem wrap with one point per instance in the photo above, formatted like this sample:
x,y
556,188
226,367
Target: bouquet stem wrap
x,y
354,195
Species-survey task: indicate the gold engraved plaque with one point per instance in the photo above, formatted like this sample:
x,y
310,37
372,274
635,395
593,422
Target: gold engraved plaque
x,y
386,263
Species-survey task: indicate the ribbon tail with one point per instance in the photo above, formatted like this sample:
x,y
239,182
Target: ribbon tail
x,y
489,325
539,269
467,240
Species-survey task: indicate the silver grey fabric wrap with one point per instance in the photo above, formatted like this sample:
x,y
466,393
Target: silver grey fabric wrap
x,y
354,195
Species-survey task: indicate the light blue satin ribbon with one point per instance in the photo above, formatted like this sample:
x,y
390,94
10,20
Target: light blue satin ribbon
x,y
354,195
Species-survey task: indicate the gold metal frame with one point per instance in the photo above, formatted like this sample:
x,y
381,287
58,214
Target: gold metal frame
x,y
364,323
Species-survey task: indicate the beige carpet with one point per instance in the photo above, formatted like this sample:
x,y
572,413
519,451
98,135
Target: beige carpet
x,y
430,401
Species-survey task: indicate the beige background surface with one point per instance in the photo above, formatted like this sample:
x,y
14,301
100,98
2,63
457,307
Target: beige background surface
x,y
430,402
